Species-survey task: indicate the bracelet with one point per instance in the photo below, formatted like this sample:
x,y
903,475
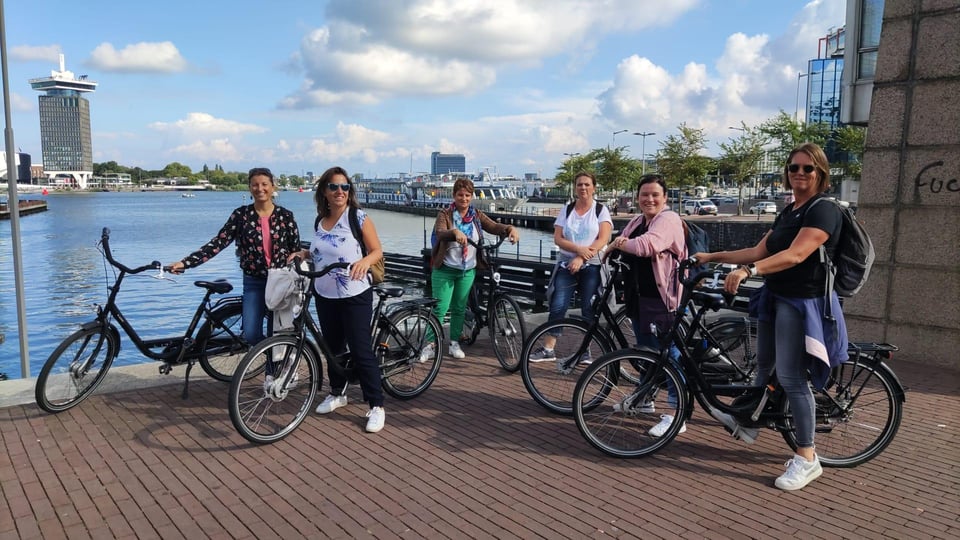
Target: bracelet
x,y
750,269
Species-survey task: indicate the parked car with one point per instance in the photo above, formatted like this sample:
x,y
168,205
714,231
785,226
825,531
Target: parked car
x,y
764,207
729,200
700,207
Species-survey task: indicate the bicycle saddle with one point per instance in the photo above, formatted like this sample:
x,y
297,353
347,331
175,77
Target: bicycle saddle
x,y
390,292
711,300
220,286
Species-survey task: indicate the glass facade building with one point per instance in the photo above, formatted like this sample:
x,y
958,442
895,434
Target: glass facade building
x,y
65,139
447,163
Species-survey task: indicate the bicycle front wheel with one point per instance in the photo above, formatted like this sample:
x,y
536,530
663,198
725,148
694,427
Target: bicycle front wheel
x,y
75,369
627,419
220,340
507,332
551,377
405,373
273,389
857,413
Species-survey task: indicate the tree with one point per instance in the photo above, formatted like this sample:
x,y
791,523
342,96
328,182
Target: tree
x,y
743,156
787,133
679,159
177,170
850,140
614,171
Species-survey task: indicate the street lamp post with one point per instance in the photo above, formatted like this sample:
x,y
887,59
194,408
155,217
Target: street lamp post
x,y
643,150
615,136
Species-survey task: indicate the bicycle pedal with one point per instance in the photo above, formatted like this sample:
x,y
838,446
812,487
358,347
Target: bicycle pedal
x,y
165,368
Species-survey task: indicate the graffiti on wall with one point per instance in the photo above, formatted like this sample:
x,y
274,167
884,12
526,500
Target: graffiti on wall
x,y
930,177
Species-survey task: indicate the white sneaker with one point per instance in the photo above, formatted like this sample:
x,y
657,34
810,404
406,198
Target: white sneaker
x,y
331,404
377,417
661,428
800,472
428,353
543,354
456,351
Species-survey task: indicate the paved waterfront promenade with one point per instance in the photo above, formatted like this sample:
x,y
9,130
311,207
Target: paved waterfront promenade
x,y
473,457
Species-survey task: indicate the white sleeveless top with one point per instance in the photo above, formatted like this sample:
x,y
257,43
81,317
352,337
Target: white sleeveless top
x,y
338,245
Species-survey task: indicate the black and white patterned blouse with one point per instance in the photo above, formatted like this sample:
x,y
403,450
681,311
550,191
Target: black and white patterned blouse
x,y
243,226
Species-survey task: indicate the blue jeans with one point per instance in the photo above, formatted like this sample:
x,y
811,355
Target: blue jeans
x,y
255,309
586,282
780,343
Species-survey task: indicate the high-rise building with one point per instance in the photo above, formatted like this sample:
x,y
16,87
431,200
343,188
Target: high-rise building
x,y
824,81
65,139
447,163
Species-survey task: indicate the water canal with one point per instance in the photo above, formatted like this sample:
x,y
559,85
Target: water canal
x,y
65,277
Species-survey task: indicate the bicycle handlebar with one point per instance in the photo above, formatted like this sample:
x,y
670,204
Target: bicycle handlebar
x,y
487,247
105,242
319,273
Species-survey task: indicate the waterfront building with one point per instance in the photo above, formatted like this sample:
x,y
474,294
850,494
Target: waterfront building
x,y
65,138
447,163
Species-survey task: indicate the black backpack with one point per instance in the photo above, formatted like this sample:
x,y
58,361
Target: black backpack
x,y
570,205
697,241
850,267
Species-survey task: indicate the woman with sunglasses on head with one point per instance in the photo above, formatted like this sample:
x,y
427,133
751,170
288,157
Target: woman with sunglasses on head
x,y
344,297
266,234
793,334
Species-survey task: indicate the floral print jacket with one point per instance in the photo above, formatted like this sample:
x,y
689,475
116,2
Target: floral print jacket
x,y
243,226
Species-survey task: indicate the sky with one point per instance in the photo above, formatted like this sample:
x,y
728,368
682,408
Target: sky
x,y
375,86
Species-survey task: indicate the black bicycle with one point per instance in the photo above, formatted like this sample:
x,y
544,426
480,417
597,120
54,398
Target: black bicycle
x,y
491,306
858,411
276,382
725,347
80,363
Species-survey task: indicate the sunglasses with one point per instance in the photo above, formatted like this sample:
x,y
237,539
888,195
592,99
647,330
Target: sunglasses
x,y
258,171
332,188
795,167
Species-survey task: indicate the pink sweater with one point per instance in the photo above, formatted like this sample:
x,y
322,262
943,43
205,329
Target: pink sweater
x,y
665,243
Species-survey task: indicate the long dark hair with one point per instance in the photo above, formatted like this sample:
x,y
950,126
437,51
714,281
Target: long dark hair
x,y
320,197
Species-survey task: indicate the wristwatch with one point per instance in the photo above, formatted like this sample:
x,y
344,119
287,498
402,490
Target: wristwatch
x,y
750,269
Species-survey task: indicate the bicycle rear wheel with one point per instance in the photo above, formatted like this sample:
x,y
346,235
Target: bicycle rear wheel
x,y
615,415
507,331
221,341
264,405
398,349
857,413
549,382
75,369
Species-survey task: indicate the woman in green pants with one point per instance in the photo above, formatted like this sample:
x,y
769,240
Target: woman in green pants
x,y
454,261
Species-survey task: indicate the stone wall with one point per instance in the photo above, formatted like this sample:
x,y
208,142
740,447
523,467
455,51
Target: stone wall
x,y
910,194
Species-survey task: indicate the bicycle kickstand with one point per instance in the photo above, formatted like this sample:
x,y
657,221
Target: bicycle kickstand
x,y
186,380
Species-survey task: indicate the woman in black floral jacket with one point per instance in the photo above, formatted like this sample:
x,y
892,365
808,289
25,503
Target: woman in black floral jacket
x,y
258,251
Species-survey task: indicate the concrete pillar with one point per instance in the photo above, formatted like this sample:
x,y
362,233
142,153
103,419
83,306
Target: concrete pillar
x,y
910,193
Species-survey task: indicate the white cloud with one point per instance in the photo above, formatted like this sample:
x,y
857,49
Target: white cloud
x,y
376,50
21,103
749,78
28,53
219,150
202,125
162,57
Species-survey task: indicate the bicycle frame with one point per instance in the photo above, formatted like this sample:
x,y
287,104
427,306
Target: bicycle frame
x,y
488,291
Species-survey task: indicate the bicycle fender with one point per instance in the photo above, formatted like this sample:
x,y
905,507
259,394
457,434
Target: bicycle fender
x,y
111,330
899,390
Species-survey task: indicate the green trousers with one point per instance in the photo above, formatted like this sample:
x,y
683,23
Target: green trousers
x,y
451,288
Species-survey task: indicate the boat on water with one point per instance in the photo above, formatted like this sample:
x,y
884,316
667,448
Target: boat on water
x,y
387,193
187,195
488,194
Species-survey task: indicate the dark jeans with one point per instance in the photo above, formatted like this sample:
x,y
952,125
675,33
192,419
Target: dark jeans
x,y
345,322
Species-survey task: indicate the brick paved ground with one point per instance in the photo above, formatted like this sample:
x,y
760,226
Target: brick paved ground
x,y
472,457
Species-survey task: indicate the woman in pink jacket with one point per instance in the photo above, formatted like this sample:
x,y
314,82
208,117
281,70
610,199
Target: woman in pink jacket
x,y
652,243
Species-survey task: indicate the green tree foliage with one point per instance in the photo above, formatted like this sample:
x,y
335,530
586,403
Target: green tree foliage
x,y
850,140
787,133
743,156
679,158
177,170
